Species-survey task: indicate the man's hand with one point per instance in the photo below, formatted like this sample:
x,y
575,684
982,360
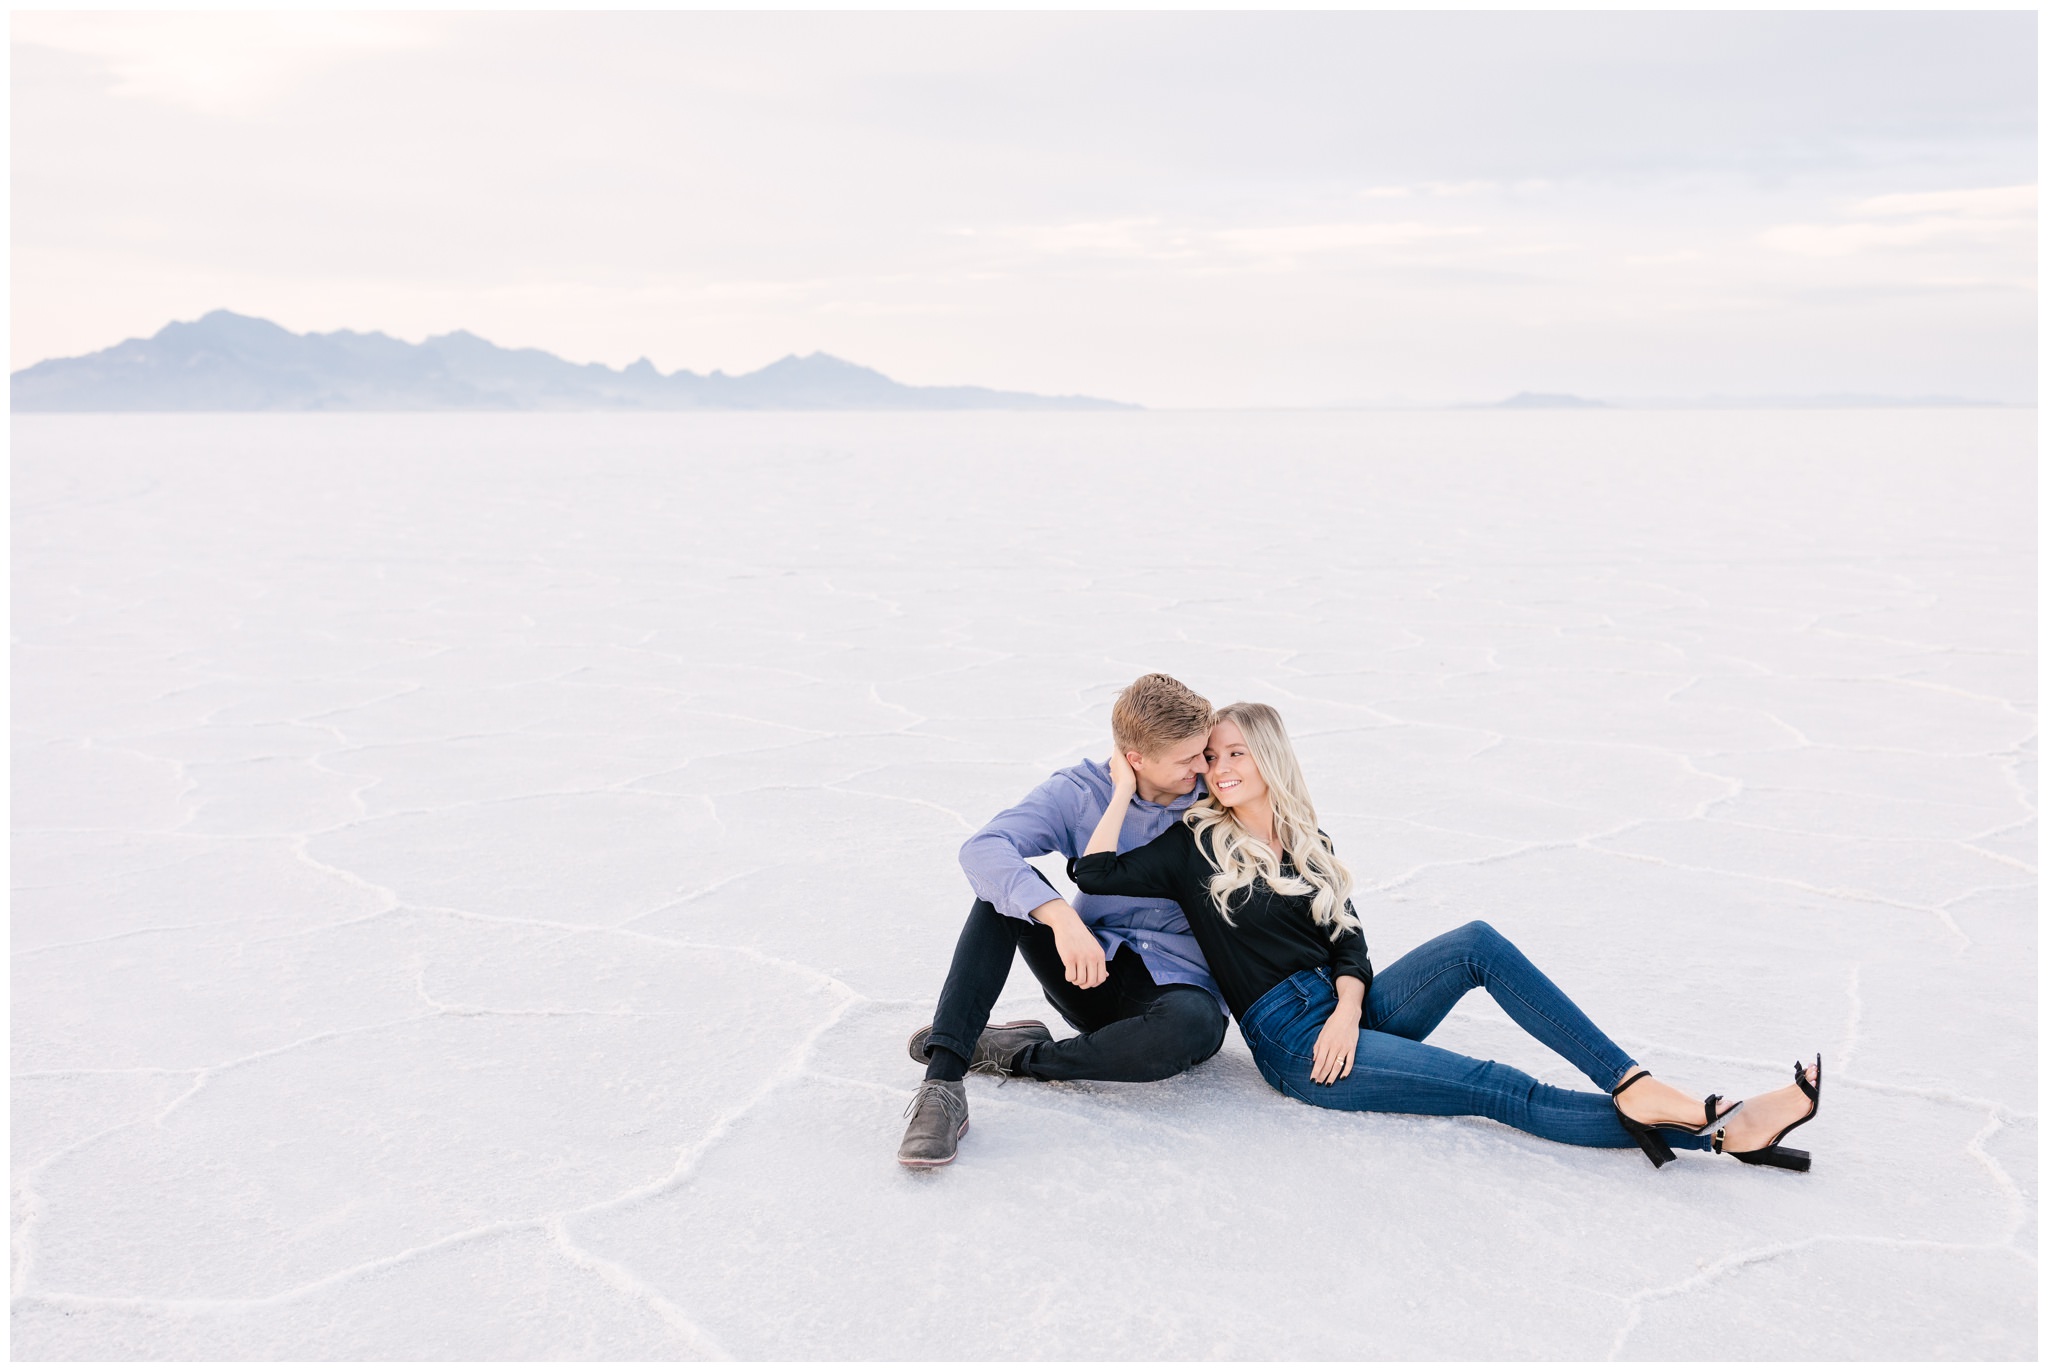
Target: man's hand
x,y
1336,1047
1079,948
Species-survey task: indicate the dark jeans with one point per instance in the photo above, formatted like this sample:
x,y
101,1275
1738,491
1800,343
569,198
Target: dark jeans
x,y
1131,1028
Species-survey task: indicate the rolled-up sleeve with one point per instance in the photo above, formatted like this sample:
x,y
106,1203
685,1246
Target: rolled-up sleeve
x,y
1348,956
996,858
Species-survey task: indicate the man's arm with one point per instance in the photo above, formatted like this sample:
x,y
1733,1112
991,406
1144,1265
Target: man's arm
x,y
995,861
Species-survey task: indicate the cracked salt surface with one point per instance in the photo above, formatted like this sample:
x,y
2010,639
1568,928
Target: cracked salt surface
x,y
474,876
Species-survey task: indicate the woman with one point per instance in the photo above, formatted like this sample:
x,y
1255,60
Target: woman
x,y
1269,902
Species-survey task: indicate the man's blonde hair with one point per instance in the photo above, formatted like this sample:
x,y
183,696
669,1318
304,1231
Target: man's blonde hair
x,y
1156,710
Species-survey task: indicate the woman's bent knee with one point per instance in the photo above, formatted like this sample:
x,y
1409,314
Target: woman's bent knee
x,y
1478,933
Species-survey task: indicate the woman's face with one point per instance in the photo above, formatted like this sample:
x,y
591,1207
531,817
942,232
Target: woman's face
x,y
1233,777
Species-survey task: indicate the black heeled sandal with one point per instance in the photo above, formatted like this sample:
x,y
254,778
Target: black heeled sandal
x,y
1771,1154
1646,1136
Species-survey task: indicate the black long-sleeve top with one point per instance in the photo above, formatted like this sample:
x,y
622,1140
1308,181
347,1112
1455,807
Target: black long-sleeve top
x,y
1271,937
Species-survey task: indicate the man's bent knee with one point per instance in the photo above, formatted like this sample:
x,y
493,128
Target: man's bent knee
x,y
1194,1025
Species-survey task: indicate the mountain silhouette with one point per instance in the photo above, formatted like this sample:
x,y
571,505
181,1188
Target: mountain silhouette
x,y
1548,400
228,361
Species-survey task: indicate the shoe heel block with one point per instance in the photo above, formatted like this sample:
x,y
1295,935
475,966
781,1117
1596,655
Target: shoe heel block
x,y
1791,1159
1648,1139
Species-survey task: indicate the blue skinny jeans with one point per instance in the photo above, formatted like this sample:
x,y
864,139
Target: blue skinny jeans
x,y
1396,1071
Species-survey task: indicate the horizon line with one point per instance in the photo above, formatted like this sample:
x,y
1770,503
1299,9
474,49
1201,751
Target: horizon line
x,y
1536,400
1458,407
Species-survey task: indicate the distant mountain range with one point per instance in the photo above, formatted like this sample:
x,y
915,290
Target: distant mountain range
x,y
1857,400
227,361
1547,400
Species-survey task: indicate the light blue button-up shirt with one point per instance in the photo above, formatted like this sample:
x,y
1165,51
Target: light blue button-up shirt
x,y
1059,817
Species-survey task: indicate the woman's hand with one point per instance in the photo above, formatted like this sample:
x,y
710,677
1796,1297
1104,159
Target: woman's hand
x,y
1120,774
1124,785
1336,1047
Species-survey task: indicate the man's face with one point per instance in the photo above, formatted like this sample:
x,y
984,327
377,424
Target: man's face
x,y
1172,772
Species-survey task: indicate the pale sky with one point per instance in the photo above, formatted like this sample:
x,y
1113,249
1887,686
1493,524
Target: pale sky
x,y
1186,209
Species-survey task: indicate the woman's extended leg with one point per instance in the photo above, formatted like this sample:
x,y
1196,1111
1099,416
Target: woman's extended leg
x,y
1394,1073
1398,1074
1411,997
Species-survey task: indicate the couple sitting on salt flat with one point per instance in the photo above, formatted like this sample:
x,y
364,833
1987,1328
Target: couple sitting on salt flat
x,y
1210,889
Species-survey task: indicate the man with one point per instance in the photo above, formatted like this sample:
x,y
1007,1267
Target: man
x,y
1125,972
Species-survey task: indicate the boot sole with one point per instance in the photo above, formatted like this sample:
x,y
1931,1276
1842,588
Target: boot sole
x,y
937,1162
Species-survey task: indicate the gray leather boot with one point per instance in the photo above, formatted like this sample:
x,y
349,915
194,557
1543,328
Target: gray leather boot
x,y
938,1117
996,1051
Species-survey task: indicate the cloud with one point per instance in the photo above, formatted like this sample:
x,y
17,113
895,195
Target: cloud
x,y
1178,208
1664,259
1294,240
1133,238
1920,219
1994,202
1153,240
217,63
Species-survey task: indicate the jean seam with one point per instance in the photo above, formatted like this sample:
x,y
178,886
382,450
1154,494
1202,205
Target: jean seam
x,y
1495,989
1275,1043
1513,1107
1517,1107
1408,1078
1409,999
1561,1031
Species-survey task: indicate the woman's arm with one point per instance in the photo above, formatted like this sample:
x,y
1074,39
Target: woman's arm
x,y
1337,1046
1158,869
1347,953
1123,785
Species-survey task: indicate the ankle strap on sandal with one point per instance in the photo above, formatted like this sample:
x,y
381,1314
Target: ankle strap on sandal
x,y
1644,1072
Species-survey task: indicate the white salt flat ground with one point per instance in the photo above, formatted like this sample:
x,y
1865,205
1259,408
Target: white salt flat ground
x,y
474,875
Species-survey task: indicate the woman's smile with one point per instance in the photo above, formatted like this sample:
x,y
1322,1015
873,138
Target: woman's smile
x,y
1233,774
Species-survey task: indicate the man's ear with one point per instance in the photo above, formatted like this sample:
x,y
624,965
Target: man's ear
x,y
1134,757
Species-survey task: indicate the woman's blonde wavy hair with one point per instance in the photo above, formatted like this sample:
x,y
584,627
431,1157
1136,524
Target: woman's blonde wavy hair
x,y
1241,859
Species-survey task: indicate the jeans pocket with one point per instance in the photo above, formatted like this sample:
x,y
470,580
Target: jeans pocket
x,y
1269,1013
1275,1019
1318,997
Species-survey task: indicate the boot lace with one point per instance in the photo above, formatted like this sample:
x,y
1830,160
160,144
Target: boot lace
x,y
924,1089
